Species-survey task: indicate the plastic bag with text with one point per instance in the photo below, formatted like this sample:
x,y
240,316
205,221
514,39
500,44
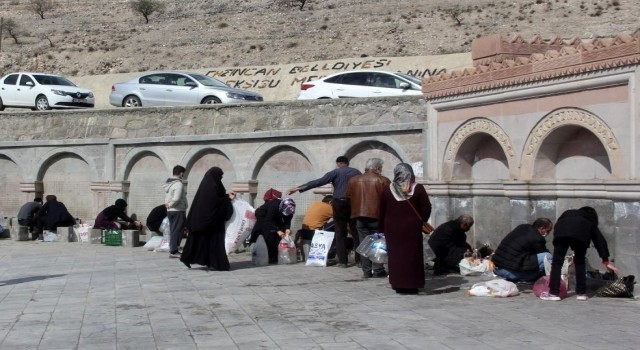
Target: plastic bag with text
x,y
165,226
319,248
494,288
239,226
82,232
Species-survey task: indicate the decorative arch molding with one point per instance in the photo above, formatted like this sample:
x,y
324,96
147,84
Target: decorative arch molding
x,y
349,147
197,151
470,128
57,153
264,151
12,157
136,153
569,117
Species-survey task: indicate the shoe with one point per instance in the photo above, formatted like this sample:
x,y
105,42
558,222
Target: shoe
x,y
549,297
381,274
367,274
582,297
342,265
174,255
331,262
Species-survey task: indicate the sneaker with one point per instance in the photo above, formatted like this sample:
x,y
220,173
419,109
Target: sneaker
x,y
549,297
582,297
174,255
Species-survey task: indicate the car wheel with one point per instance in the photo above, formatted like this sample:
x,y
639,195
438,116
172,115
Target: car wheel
x,y
1,105
131,101
211,100
42,103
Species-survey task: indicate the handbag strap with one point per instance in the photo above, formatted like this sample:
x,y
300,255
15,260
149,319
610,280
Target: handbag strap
x,y
414,210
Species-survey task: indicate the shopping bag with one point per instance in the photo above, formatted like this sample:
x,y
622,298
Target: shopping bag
x,y
153,243
239,226
165,228
259,252
319,248
49,236
473,267
427,253
542,286
82,232
494,288
287,252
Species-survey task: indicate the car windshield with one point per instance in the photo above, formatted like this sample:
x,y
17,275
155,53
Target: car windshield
x,y
411,78
207,81
52,80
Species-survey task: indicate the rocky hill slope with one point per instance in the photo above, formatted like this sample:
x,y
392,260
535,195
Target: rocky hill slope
x,y
105,36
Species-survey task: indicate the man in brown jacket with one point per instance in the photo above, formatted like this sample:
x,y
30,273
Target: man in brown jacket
x,y
364,192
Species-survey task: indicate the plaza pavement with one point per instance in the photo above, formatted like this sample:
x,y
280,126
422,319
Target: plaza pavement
x,y
79,296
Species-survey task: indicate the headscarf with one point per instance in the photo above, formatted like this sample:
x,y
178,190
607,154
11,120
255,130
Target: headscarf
x,y
287,207
209,205
121,203
403,181
272,194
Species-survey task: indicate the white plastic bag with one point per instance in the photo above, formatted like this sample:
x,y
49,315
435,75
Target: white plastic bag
x,y
473,267
49,236
153,243
287,253
82,232
239,226
319,248
259,252
427,253
494,288
165,227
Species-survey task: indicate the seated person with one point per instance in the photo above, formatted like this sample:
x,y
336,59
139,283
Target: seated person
x,y
52,215
108,218
449,243
154,220
27,215
319,216
520,255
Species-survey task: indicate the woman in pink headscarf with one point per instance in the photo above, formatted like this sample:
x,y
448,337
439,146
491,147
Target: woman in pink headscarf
x,y
404,207
273,221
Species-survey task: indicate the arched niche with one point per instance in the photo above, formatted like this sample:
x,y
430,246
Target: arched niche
x,y
10,178
360,151
201,162
571,144
572,153
478,150
147,175
68,176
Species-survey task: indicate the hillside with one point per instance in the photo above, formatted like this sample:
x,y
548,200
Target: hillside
x,y
105,36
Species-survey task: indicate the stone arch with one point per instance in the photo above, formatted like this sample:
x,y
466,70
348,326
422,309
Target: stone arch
x,y
68,176
385,148
135,154
10,177
571,143
200,159
265,150
476,149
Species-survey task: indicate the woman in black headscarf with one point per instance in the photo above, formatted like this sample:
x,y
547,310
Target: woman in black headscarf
x,y
210,208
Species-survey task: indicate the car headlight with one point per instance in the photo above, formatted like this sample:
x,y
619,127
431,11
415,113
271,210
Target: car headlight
x,y
91,95
236,96
58,92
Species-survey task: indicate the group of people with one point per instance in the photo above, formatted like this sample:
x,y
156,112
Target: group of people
x,y
520,255
38,217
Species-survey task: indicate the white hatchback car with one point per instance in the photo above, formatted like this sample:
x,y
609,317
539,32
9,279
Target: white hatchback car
x,y
174,88
40,91
361,83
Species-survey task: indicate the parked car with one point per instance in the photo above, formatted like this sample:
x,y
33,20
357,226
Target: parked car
x,y
41,91
361,83
176,88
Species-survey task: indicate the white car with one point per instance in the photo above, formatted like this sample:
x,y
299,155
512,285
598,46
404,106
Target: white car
x,y
361,83
174,88
40,91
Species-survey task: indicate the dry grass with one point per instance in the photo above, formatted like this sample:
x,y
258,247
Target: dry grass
x,y
105,36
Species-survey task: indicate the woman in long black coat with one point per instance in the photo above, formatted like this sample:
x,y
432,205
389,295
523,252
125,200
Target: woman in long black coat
x,y
210,209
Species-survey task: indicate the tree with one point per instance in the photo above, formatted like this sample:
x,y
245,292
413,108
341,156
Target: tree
x,y
41,6
455,13
146,7
10,27
302,3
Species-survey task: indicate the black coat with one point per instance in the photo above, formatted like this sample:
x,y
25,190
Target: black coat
x,y
54,214
518,250
576,224
449,242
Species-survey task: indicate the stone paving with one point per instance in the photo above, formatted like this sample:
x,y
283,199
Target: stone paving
x,y
61,296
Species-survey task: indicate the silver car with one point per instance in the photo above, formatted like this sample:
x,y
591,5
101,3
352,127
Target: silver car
x,y
171,88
